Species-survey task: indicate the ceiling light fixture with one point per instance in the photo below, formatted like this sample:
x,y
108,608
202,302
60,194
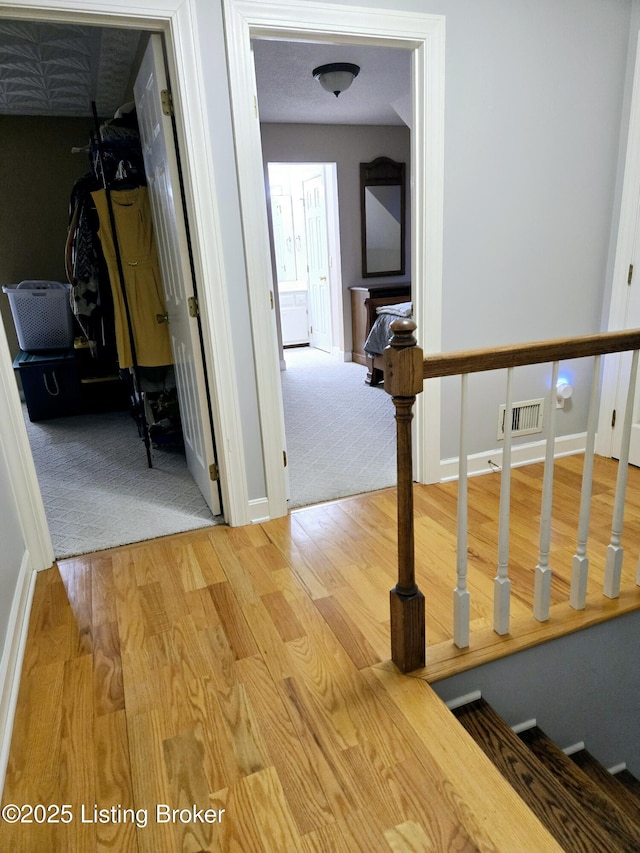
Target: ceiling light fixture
x,y
336,76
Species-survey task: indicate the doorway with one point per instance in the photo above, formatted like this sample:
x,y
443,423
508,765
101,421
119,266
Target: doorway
x,y
422,37
624,304
45,435
306,249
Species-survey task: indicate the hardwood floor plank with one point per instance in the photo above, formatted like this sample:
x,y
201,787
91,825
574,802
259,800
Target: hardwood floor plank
x,y
318,746
107,669
407,837
283,616
209,567
128,603
302,789
249,749
103,602
148,778
232,619
351,638
257,816
113,782
248,669
188,787
457,758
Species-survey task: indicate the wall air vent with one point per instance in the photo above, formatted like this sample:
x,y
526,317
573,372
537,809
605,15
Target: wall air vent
x,y
526,417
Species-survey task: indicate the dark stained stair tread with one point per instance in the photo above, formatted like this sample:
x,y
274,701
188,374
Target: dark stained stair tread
x,y
584,789
575,828
626,778
612,785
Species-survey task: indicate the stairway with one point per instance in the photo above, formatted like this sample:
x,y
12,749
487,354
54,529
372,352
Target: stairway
x,y
582,805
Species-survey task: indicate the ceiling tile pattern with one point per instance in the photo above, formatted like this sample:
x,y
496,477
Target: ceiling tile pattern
x,y
58,69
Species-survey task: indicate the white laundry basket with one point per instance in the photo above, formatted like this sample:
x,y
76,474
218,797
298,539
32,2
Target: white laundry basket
x,y
41,314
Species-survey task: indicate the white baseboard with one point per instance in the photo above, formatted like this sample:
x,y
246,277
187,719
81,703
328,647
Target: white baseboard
x,y
521,454
573,748
11,663
259,510
340,354
466,699
524,726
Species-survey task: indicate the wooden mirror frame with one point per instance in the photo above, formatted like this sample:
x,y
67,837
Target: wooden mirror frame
x,y
381,172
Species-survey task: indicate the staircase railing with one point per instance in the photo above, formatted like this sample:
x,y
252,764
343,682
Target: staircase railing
x,y
405,371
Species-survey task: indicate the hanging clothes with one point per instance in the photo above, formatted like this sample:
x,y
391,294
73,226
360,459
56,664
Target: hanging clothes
x,y
143,283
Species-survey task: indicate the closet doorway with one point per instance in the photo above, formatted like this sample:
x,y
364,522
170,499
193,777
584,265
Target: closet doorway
x,y
174,256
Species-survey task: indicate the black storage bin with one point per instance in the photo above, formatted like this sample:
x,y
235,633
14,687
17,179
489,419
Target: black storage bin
x,y
50,382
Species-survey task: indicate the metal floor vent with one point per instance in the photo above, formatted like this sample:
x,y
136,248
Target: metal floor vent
x,y
526,417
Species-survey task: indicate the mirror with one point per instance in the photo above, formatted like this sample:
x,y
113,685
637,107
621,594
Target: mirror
x,y
382,208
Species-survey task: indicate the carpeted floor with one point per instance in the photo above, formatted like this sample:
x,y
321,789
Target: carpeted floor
x,y
340,432
98,491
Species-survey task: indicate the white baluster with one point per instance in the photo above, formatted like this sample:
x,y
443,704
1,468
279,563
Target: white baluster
x,y
613,565
502,584
542,586
580,568
461,593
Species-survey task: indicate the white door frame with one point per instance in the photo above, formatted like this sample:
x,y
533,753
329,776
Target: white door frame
x,y
615,373
422,34
176,19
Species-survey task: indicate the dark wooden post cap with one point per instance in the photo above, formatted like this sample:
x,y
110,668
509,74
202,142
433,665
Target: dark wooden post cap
x,y
403,334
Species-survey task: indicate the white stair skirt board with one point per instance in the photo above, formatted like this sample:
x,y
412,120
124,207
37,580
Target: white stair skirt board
x,y
521,454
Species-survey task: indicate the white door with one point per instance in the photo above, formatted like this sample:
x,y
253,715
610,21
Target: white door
x,y
631,321
161,165
319,305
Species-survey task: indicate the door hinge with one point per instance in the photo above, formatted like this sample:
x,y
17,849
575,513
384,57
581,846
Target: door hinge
x,y
213,471
194,308
167,102
284,458
613,419
271,299
630,276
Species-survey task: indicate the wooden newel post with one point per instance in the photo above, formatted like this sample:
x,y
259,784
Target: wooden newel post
x,y
403,379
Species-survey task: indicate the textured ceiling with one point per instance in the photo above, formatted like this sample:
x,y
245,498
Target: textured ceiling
x,y
287,91
58,69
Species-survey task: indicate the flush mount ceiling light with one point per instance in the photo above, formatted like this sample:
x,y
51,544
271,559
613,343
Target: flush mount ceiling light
x,y
336,76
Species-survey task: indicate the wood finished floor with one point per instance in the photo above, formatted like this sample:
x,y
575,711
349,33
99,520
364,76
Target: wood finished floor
x,y
247,670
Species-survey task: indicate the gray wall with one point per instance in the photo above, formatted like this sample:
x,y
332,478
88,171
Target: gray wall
x,y
347,146
533,104
584,687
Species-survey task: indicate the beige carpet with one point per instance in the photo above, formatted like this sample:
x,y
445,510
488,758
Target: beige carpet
x,y
340,432
98,491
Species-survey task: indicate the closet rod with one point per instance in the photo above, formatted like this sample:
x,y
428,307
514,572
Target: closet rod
x,y
123,288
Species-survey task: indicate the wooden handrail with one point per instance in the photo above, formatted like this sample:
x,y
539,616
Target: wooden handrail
x,y
559,349
405,369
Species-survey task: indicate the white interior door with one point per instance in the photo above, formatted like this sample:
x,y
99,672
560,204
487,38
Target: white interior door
x,y
631,321
318,263
161,165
